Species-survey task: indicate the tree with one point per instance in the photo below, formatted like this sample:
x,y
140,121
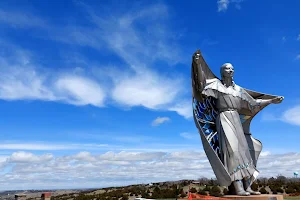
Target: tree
x,y
263,181
185,183
212,182
156,190
145,195
271,180
281,180
203,181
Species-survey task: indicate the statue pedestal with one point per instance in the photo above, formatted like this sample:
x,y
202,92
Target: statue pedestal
x,y
256,197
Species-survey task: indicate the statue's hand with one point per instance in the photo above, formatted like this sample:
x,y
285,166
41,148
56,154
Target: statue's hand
x,y
196,56
277,100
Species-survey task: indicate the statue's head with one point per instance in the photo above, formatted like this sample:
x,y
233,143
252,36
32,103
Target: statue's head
x,y
227,70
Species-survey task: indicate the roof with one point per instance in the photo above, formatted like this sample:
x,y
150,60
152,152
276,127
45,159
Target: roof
x,y
46,194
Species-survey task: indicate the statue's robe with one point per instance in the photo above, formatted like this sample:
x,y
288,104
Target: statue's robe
x,y
223,116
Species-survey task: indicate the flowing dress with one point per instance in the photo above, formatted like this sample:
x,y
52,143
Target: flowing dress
x,y
234,149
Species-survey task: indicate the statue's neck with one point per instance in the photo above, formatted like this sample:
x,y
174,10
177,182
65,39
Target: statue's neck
x,y
228,82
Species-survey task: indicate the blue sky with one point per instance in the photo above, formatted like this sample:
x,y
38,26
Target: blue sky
x,y
97,93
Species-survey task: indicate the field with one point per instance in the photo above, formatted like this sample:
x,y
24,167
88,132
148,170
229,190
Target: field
x,y
292,198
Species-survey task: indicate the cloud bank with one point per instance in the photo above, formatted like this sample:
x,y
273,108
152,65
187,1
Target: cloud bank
x,y
26,170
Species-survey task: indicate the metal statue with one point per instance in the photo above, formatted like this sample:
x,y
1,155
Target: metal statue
x,y
223,112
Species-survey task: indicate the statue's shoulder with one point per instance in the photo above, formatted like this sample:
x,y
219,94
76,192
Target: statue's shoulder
x,y
213,81
238,88
214,84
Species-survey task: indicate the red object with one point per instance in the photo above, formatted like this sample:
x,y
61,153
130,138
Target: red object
x,y
46,194
193,196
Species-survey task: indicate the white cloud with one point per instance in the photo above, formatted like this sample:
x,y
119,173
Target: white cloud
x,y
21,20
26,157
140,47
145,144
23,83
187,135
285,164
132,156
42,146
292,115
22,79
85,169
101,170
84,156
222,5
160,120
188,155
80,91
184,109
265,153
145,89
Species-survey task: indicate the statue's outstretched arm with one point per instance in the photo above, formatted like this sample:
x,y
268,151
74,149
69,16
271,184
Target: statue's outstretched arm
x,y
200,74
264,102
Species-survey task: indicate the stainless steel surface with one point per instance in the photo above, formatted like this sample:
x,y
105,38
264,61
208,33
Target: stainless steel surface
x,y
222,113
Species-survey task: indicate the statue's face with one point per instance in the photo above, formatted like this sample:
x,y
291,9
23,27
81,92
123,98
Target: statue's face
x,y
228,71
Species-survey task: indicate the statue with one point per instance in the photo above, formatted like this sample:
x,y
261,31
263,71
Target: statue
x,y
222,113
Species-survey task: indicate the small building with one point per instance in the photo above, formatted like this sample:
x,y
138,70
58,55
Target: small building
x,y
20,196
143,199
46,196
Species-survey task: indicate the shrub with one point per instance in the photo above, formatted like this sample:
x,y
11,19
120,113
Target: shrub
x,y
215,191
207,188
182,195
225,191
193,190
280,190
263,190
125,197
289,190
254,186
202,192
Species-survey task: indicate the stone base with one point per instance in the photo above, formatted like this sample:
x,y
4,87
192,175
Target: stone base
x,y
256,197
